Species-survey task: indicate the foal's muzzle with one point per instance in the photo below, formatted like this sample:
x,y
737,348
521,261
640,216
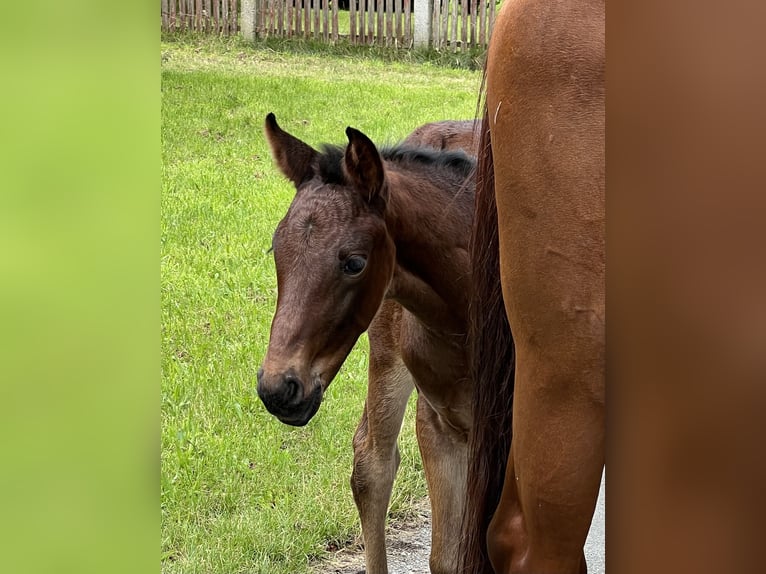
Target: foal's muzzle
x,y
285,397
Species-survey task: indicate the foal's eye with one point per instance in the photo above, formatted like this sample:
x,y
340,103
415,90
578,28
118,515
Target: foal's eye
x,y
354,265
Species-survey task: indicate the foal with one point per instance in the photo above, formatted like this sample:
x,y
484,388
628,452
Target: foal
x,y
377,240
447,135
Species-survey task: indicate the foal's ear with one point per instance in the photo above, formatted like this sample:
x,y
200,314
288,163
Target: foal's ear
x,y
363,166
292,156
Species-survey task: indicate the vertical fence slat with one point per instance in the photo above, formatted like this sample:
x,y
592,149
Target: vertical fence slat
x,y
299,5
326,19
306,18
335,21
407,22
362,21
351,20
389,7
317,15
453,24
482,23
464,28
474,10
289,19
370,20
445,19
398,19
164,8
435,24
381,6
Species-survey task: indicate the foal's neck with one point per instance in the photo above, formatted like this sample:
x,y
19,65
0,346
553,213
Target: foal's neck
x,y
430,226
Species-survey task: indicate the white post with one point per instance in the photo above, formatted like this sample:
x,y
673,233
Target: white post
x,y
423,11
247,21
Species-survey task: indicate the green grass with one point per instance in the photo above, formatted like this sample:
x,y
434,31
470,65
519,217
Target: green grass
x,y
241,492
471,59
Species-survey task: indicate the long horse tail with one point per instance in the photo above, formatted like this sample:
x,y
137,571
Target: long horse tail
x,y
492,369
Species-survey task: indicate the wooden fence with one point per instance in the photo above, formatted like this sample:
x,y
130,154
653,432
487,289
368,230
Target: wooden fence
x,y
459,24
208,16
297,18
441,24
452,24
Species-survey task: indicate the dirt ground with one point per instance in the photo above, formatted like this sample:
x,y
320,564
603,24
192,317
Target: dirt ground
x,y
409,543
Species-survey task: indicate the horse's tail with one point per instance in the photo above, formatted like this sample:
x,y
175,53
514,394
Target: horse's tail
x,y
492,360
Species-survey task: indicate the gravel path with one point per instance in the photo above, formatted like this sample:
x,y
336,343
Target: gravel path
x,y
409,544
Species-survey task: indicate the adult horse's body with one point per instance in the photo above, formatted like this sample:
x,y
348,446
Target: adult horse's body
x,y
378,241
540,234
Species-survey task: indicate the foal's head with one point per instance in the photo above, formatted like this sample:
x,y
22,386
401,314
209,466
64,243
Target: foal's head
x,y
334,260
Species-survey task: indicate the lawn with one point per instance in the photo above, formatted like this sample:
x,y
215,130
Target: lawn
x,y
241,492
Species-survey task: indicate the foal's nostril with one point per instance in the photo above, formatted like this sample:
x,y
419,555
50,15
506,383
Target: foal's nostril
x,y
281,394
292,389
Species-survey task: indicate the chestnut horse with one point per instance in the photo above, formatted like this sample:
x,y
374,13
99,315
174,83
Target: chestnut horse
x,y
377,240
538,264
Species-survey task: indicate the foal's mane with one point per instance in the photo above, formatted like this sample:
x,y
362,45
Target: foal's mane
x,y
330,161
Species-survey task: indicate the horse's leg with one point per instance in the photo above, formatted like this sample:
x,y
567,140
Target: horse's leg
x,y
444,455
376,455
554,470
545,98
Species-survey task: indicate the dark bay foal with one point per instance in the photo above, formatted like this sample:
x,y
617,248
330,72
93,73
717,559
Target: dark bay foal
x,y
377,240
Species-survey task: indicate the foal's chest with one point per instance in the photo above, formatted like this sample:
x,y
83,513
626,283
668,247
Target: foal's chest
x,y
438,363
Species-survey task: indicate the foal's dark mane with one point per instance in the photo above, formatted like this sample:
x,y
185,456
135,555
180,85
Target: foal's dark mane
x,y
330,161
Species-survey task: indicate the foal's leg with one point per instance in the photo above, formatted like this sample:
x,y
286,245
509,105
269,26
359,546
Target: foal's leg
x,y
376,455
444,454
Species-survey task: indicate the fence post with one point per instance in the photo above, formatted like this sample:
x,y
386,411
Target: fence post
x,y
423,10
247,21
